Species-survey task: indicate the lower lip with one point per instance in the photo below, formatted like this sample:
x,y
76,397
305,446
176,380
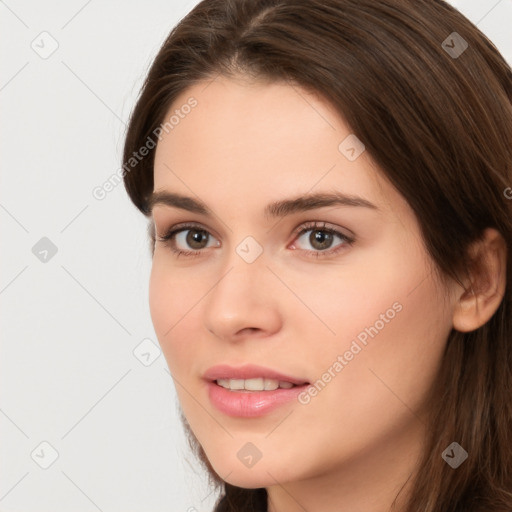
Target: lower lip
x,y
250,404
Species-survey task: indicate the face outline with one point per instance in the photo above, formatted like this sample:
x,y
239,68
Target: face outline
x,y
216,308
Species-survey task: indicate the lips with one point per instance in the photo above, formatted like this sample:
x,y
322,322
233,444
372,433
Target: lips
x,y
231,390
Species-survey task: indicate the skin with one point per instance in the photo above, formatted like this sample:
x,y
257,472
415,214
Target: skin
x,y
354,445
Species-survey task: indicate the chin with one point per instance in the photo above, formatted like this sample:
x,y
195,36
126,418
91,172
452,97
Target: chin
x,y
264,473
246,479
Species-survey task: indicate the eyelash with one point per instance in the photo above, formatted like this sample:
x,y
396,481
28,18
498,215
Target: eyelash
x,y
169,238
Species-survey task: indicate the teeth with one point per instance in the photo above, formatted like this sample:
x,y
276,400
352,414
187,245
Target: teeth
x,y
258,384
270,384
254,384
236,384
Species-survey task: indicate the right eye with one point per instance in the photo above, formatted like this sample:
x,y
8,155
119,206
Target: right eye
x,y
188,239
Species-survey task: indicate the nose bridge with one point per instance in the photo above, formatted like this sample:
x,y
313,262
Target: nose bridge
x,y
243,277
240,297
245,266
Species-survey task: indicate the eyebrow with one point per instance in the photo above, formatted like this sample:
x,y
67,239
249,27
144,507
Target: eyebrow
x,y
275,209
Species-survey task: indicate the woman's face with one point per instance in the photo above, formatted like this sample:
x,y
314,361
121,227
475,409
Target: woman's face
x,y
338,295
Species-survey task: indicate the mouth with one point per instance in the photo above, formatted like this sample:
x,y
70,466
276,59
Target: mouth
x,y
256,384
251,391
251,378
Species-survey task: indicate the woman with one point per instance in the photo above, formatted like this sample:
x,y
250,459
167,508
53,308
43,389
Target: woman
x,y
327,184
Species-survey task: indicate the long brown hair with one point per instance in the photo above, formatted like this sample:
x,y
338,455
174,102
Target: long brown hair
x,y
436,117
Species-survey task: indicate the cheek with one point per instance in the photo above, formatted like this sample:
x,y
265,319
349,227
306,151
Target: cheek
x,y
171,300
369,295
391,328
380,392
161,299
391,347
401,348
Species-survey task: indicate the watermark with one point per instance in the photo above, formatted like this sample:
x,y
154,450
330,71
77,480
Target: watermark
x,y
44,250
45,45
44,454
351,147
249,455
147,352
454,455
341,361
508,192
455,45
249,249
100,192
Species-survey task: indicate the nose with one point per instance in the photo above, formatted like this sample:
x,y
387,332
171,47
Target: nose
x,y
243,301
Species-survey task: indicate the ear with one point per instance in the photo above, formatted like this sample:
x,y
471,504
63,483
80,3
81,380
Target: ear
x,y
485,286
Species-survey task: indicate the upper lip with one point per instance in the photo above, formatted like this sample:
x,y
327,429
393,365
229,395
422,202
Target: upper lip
x,y
249,371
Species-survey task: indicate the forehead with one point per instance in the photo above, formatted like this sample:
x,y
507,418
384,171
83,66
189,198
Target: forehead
x,y
244,142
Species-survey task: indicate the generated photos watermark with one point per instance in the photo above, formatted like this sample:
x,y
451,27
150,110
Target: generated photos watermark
x,y
341,361
100,192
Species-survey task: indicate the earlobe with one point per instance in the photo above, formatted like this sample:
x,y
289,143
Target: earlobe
x,y
486,283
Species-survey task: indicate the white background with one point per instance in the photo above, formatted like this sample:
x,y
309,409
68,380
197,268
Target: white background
x,y
69,326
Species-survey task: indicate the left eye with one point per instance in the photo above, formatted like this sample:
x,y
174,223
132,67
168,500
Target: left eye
x,y
321,239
